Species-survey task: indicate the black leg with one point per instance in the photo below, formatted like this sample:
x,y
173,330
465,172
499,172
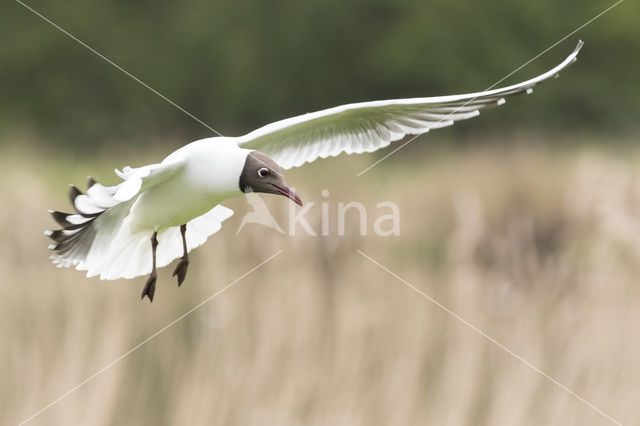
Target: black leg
x,y
150,287
181,269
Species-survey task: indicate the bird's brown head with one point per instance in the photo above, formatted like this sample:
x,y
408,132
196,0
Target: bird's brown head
x,y
262,174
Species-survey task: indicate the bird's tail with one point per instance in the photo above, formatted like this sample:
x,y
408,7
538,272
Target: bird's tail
x,y
98,238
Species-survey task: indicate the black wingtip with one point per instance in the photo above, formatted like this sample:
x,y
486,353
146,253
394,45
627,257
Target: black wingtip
x,y
61,218
90,182
57,236
73,193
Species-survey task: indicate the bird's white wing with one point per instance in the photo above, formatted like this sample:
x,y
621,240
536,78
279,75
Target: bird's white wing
x,y
138,179
100,212
368,126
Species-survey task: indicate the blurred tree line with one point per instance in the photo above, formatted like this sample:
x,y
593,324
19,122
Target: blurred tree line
x,y
238,64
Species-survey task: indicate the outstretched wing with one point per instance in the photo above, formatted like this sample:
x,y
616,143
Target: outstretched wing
x,y
100,211
368,126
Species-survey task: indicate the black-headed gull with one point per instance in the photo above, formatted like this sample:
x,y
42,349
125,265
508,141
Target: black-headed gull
x,y
162,211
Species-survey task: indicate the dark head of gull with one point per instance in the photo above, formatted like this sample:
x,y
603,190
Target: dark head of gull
x,y
261,174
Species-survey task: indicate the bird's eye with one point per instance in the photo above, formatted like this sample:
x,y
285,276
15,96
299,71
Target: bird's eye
x,y
263,172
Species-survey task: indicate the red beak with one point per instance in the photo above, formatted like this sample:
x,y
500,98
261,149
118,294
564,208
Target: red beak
x,y
290,194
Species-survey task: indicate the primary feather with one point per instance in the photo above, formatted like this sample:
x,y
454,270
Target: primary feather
x,y
369,126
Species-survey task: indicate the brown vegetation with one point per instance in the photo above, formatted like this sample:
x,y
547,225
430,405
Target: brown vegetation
x,y
538,248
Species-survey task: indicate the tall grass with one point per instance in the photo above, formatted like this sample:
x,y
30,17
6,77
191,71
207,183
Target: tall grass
x,y
539,248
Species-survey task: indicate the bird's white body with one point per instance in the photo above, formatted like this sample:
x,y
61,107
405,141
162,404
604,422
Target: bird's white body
x,y
110,235
207,174
185,188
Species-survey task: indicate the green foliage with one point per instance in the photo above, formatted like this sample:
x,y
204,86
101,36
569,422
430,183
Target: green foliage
x,y
240,64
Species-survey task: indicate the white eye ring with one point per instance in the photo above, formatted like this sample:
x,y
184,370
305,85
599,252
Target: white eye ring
x,y
263,172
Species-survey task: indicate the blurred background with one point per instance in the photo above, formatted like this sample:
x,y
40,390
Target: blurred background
x,y
523,221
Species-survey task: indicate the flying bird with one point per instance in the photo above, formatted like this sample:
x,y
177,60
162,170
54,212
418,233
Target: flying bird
x,y
161,212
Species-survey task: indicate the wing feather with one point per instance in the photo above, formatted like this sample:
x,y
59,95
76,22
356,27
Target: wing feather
x,y
368,126
100,212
